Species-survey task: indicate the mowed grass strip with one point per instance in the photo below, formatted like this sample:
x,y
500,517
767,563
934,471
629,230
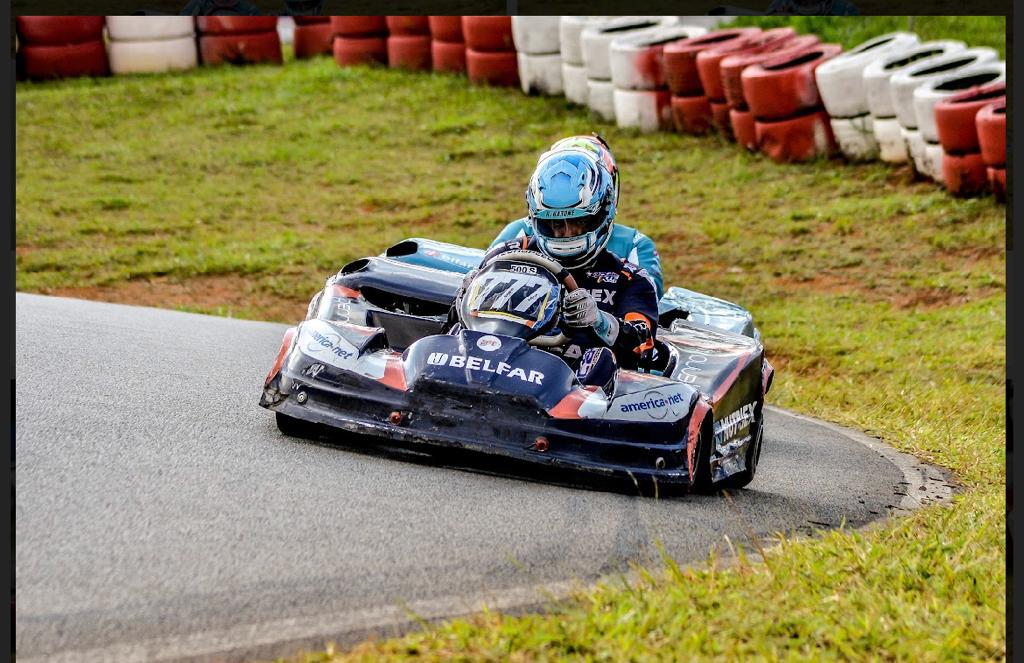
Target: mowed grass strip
x,y
881,299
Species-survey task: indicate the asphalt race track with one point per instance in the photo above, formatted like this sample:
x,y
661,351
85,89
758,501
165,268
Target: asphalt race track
x,y
161,515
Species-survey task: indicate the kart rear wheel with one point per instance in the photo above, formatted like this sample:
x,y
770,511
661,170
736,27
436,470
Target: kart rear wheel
x,y
294,427
741,479
701,480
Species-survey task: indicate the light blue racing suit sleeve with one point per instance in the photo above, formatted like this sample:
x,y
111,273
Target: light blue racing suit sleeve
x,y
517,228
648,258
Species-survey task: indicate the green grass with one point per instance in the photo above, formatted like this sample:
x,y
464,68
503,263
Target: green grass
x,y
881,299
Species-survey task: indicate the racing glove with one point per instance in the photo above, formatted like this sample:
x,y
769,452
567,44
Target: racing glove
x,y
579,308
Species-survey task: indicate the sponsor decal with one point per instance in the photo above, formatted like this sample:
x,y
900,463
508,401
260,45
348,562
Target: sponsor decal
x,y
523,269
655,404
488,343
432,253
604,277
732,423
602,295
313,370
693,366
444,257
328,342
481,364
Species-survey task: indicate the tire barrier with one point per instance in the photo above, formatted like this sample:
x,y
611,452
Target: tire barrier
x,y
878,73
997,182
238,40
311,39
351,51
680,58
646,110
691,115
841,80
540,60
412,52
720,118
412,26
151,44
730,67
596,39
991,126
492,68
447,48
637,60
570,29
601,98
785,85
488,34
60,47
448,56
574,83
933,162
856,137
446,28
915,150
892,148
928,95
540,74
903,83
742,122
797,138
955,117
964,174
536,35
359,26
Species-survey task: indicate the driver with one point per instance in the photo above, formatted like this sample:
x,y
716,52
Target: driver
x,y
612,317
624,242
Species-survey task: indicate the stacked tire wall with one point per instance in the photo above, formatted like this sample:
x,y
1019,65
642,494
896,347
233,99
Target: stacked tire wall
x,y
408,42
447,46
359,40
313,36
151,44
60,47
490,51
574,72
538,54
595,44
239,40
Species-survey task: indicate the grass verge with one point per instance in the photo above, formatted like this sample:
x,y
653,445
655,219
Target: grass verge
x,y
881,298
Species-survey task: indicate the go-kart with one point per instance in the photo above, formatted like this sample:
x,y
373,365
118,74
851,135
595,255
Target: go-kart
x,y
376,356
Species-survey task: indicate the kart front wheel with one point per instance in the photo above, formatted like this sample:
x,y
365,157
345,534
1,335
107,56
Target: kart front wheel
x,y
700,482
741,479
292,426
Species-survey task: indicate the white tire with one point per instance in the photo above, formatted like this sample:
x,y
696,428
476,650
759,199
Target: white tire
x,y
935,90
891,146
878,73
841,79
148,57
149,28
286,29
707,22
646,110
856,137
596,39
635,60
601,98
902,84
540,74
574,82
933,162
915,149
569,30
536,35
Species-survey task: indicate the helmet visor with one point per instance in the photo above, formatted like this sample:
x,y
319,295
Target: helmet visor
x,y
576,227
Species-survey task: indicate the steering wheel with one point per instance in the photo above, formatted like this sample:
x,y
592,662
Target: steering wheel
x,y
559,272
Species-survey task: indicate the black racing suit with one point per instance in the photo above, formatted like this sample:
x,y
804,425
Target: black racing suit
x,y
620,288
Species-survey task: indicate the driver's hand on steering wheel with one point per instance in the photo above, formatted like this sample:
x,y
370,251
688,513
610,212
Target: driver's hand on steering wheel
x,y
579,308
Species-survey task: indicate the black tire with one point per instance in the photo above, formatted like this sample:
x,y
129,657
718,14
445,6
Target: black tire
x,y
294,427
742,479
701,480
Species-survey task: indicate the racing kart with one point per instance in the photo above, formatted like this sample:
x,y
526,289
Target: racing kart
x,y
372,357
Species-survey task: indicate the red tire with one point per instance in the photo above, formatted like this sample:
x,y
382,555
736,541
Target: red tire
x,y
253,48
448,56
446,28
991,125
743,128
500,69
408,25
997,182
720,118
58,30
312,39
311,20
691,115
955,115
490,34
409,52
349,51
784,85
679,58
233,25
45,62
359,26
730,68
964,174
797,138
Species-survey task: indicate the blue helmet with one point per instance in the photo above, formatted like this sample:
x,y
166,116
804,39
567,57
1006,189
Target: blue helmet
x,y
572,183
